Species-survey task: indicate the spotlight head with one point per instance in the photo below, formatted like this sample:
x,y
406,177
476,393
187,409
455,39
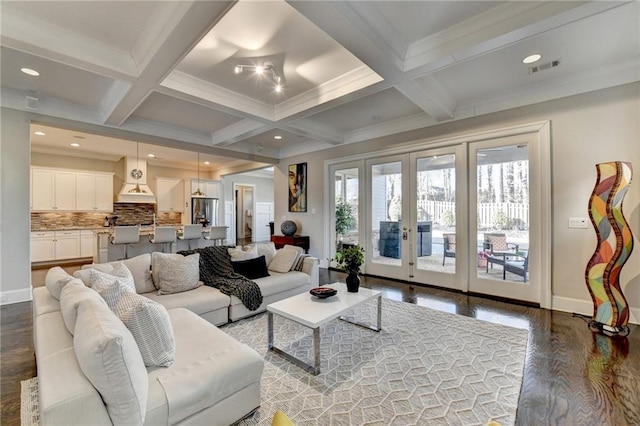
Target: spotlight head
x,y
238,69
259,70
278,88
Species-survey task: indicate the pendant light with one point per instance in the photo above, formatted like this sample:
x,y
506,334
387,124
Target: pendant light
x,y
137,173
197,192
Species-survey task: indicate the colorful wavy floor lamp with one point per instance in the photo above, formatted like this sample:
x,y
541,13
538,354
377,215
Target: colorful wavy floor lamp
x,y
615,243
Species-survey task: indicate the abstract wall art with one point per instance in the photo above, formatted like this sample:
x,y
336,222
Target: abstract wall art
x,y
614,245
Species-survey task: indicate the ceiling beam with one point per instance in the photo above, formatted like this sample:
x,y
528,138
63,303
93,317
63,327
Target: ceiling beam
x,y
345,23
196,21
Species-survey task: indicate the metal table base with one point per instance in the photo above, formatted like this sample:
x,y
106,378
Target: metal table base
x,y
315,368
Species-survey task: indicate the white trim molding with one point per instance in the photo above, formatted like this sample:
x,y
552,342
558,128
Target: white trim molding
x,y
15,296
585,307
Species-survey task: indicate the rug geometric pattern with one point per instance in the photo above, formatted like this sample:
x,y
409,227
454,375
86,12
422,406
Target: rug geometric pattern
x,y
424,368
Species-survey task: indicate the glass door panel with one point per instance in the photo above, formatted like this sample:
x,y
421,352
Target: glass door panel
x,y
438,254
502,193
435,235
386,213
501,229
347,206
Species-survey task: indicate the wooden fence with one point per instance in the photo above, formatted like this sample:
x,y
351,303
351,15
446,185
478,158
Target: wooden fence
x,y
490,215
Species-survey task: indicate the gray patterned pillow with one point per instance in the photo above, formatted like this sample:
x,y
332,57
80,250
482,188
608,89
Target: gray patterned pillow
x,y
98,279
175,273
148,322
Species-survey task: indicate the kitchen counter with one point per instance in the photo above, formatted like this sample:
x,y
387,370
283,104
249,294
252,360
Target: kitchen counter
x,y
107,252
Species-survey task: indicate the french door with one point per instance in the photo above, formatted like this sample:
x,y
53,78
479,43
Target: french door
x,y
504,229
471,216
414,201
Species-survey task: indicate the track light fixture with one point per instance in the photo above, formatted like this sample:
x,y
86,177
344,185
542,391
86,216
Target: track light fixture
x,y
265,69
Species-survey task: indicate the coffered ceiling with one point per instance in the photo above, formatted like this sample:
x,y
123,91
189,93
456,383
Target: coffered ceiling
x,y
350,70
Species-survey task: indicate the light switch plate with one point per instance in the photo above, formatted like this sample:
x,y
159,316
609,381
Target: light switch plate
x,y
578,222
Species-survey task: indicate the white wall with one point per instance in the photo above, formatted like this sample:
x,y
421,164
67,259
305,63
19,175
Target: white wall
x,y
585,129
15,265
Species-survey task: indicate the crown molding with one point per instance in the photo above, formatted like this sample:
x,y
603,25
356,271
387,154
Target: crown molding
x,y
349,82
193,88
560,87
39,38
238,131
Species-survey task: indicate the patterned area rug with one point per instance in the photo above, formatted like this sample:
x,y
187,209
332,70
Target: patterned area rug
x,y
29,415
424,367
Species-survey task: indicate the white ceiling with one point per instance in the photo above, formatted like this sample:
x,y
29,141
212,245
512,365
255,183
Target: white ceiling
x,y
352,70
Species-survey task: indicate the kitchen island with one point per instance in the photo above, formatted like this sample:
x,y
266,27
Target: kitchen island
x,y
107,252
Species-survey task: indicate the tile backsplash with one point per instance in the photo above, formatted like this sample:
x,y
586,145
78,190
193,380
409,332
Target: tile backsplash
x,y
128,214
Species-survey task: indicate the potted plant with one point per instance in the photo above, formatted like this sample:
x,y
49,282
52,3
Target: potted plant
x,y
349,260
345,219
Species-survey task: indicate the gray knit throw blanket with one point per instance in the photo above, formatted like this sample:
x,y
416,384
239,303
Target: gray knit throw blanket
x,y
216,271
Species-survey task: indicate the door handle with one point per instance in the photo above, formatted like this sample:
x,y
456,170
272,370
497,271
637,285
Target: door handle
x,y
404,235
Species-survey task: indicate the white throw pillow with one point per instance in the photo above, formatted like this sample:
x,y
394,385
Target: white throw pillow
x,y
238,253
140,267
110,359
148,322
268,250
73,293
98,280
284,260
55,279
299,251
175,273
85,273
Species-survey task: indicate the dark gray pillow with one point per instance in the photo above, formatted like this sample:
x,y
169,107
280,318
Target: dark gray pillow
x,y
251,268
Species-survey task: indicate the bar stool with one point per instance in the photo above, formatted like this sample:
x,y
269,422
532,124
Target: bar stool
x,y
190,233
125,235
163,235
217,234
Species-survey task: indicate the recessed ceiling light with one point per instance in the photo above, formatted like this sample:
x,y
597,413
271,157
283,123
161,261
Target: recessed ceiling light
x,y
151,155
39,133
30,71
278,137
75,145
532,58
207,163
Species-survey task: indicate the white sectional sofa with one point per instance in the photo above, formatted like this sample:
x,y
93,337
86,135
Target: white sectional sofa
x,y
214,379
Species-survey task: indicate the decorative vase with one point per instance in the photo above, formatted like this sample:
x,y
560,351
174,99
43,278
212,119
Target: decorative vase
x,y
353,282
614,245
288,228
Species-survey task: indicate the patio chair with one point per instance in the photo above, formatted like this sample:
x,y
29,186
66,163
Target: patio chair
x,y
518,265
496,244
449,246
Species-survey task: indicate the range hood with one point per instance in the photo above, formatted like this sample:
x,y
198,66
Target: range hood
x,y
135,188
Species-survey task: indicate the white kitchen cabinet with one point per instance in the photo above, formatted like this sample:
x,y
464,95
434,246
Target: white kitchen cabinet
x,y
210,188
53,190
87,243
54,245
67,244
169,195
43,246
94,191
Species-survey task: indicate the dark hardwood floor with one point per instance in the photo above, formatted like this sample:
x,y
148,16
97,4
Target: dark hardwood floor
x,y
571,377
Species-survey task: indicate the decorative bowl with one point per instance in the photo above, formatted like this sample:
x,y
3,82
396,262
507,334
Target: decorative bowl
x,y
323,292
288,228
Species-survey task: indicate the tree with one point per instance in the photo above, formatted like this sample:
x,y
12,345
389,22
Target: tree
x,y
345,219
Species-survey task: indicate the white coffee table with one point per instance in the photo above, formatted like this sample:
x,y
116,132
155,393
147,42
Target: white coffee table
x,y
313,312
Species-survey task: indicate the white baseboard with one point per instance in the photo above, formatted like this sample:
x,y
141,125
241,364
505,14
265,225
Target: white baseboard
x,y
15,296
585,307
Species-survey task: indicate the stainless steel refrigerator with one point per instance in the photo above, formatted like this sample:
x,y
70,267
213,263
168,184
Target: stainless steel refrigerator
x,y
204,211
